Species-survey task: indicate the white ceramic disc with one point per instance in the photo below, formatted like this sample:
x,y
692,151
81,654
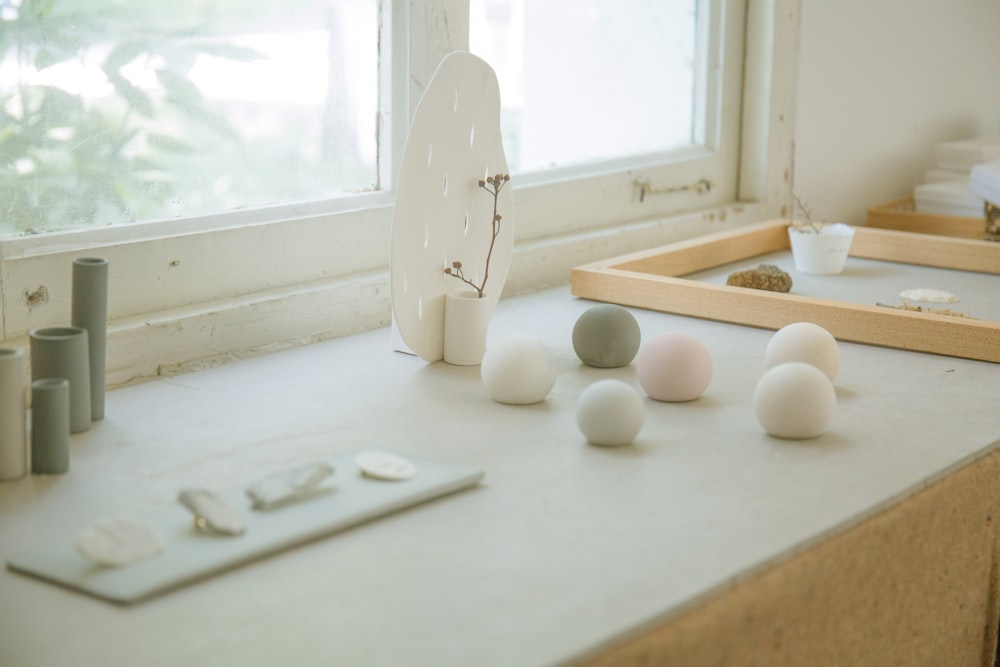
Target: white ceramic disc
x,y
384,466
928,295
116,542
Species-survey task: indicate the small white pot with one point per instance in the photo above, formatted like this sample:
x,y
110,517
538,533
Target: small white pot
x,y
821,253
466,318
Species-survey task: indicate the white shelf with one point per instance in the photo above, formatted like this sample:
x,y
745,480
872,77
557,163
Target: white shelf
x,y
561,549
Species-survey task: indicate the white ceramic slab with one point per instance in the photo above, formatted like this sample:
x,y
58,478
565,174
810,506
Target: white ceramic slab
x,y
441,214
347,498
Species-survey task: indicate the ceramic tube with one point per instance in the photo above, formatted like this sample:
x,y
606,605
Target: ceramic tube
x,y
89,310
13,445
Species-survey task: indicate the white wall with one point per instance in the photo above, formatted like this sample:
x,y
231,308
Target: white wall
x,y
879,83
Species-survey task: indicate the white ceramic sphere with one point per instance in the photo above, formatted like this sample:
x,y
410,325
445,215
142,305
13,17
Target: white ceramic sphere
x,y
795,400
806,342
674,366
518,370
610,413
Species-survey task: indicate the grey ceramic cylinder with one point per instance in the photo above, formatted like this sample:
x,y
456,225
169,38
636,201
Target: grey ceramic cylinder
x,y
13,443
62,352
89,310
50,426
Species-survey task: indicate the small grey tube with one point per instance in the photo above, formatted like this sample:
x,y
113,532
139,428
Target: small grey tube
x,y
89,310
50,426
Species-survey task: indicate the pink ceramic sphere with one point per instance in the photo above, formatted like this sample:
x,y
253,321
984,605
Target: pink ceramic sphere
x,y
674,366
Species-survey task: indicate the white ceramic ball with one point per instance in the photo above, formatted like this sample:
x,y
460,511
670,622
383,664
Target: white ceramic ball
x,y
674,366
518,370
795,400
806,342
610,413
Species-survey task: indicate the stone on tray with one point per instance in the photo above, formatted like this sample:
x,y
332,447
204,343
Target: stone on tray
x,y
210,513
766,277
116,542
288,485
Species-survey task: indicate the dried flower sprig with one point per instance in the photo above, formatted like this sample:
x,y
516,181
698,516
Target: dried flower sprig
x,y
808,225
493,185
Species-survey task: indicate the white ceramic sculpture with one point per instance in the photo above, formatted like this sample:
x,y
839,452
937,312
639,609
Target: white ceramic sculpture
x,y
441,213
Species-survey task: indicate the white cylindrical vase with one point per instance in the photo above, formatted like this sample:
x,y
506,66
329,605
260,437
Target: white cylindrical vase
x,y
466,318
13,441
89,310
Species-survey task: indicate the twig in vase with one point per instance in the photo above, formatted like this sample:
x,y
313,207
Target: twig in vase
x,y
493,185
807,214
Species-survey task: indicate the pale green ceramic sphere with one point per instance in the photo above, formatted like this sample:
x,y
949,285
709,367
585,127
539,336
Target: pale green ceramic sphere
x,y
606,336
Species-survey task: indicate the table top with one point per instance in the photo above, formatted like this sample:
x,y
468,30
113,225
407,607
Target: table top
x,y
562,548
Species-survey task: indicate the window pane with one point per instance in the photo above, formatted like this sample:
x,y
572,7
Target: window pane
x,y
116,111
607,78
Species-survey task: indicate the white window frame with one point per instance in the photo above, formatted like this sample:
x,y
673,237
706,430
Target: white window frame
x,y
199,291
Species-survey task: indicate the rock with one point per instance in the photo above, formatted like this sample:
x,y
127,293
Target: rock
x,y
766,277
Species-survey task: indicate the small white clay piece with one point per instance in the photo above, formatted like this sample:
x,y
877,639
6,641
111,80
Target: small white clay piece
x,y
210,513
288,485
384,466
117,542
928,295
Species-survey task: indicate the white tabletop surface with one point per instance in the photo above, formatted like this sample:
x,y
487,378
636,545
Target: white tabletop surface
x,y
562,548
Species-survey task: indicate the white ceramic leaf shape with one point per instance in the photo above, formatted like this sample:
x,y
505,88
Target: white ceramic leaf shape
x,y
211,513
288,485
441,214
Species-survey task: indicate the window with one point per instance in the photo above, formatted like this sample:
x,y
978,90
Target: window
x,y
309,264
120,112
566,102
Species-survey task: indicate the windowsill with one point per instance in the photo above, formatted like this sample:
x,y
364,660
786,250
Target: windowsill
x,y
204,334
563,548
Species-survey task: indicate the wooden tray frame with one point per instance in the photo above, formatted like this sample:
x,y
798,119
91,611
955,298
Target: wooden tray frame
x,y
902,215
652,279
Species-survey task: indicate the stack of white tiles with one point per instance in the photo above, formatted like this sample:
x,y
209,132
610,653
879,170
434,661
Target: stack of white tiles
x,y
947,189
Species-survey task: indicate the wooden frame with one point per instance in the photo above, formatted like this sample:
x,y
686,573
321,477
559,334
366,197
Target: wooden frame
x,y
902,214
652,279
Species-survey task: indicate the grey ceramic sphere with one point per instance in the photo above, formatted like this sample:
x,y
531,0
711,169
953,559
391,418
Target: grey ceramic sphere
x,y
606,336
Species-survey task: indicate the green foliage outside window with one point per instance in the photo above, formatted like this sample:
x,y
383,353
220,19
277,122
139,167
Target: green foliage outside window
x,y
140,152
